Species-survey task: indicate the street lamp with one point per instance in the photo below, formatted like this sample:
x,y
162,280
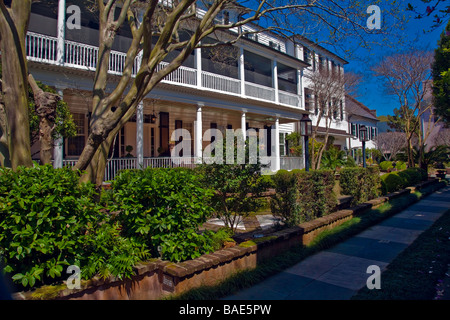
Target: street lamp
x,y
306,131
363,138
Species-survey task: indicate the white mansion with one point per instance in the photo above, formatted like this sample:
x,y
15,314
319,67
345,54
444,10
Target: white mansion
x,y
263,88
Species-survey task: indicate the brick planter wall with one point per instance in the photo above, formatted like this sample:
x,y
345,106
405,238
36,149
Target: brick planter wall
x,y
156,279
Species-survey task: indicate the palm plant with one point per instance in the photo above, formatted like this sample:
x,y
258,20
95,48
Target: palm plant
x,y
435,154
333,158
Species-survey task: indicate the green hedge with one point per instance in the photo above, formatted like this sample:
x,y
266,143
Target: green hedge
x,y
395,181
303,196
362,184
163,208
49,221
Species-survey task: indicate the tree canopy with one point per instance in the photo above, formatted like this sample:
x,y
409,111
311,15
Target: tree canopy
x,y
441,76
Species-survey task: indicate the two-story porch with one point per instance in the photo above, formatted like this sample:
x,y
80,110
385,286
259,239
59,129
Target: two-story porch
x,y
252,84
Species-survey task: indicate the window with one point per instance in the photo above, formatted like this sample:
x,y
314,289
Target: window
x,y
75,145
354,129
283,144
341,109
306,55
308,99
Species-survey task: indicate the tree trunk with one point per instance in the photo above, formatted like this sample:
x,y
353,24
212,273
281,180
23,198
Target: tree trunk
x,y
13,28
46,104
4,150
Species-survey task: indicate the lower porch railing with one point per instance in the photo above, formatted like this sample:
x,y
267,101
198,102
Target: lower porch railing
x,y
116,164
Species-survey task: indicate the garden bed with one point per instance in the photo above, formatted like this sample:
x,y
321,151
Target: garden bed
x,y
156,279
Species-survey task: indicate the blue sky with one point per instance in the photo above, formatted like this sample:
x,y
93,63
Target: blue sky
x,y
371,92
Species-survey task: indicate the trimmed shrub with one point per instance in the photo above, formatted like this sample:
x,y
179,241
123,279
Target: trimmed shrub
x,y
400,165
284,203
362,184
49,221
386,165
316,195
391,182
164,208
302,196
395,181
410,177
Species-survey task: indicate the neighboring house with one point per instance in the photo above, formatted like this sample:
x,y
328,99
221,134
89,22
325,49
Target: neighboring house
x,y
262,85
320,59
358,114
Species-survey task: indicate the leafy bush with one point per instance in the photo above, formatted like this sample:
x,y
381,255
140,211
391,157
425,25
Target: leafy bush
x,y
362,184
48,221
303,196
410,177
395,181
221,236
238,186
386,165
316,195
163,208
391,182
284,203
400,165
333,158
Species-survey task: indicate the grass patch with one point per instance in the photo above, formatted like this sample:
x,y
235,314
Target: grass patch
x,y
413,274
325,240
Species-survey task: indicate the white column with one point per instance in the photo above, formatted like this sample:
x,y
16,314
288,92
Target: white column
x,y
300,91
244,125
140,135
276,152
275,79
58,154
61,31
198,66
241,63
198,134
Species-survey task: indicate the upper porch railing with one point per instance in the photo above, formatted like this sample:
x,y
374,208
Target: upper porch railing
x,y
43,48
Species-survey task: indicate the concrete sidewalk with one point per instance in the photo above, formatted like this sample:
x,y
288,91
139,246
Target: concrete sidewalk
x,y
339,272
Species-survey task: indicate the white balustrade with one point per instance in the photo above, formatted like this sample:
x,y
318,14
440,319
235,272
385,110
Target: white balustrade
x,y
115,165
289,99
290,163
218,82
260,92
42,48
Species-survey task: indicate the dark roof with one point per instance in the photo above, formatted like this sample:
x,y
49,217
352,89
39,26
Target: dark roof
x,y
354,107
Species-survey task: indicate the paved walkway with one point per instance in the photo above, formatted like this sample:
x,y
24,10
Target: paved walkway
x,y
339,272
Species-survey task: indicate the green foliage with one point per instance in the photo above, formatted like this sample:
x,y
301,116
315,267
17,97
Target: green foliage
x,y
386,165
400,165
221,236
316,195
284,203
237,187
49,221
64,124
435,154
163,209
302,196
295,143
391,182
441,76
350,162
362,184
333,158
397,180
